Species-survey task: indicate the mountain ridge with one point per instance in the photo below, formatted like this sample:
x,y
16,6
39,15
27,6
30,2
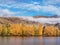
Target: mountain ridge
x,y
54,16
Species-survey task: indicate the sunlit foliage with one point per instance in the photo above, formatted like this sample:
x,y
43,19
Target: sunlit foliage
x,y
28,30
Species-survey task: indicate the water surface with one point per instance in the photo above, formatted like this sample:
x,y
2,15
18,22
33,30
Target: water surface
x,y
29,40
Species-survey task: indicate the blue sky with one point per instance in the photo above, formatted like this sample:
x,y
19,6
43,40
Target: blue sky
x,y
29,7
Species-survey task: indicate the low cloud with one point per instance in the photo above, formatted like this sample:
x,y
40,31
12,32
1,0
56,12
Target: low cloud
x,y
5,13
42,20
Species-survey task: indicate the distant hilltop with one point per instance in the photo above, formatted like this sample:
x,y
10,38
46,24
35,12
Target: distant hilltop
x,y
54,16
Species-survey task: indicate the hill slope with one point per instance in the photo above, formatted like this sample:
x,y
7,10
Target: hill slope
x,y
29,26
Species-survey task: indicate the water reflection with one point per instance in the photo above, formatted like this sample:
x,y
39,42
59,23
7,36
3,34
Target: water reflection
x,y
29,41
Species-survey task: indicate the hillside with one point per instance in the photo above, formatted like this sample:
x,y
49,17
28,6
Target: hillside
x,y
12,20
29,26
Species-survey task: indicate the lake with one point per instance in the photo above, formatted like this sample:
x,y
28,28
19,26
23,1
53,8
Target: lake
x,y
29,40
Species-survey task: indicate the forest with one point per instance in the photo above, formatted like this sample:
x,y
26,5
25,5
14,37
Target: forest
x,y
28,30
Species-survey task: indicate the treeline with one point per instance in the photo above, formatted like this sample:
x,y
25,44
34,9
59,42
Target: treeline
x,y
28,30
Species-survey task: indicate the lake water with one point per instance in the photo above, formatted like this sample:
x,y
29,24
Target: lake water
x,y
29,40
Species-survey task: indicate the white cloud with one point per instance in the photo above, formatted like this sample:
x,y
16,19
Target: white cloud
x,y
8,13
48,2
49,8
42,20
34,6
5,13
36,3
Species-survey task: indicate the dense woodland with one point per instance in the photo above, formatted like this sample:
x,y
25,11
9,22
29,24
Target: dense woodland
x,y
18,27
29,30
